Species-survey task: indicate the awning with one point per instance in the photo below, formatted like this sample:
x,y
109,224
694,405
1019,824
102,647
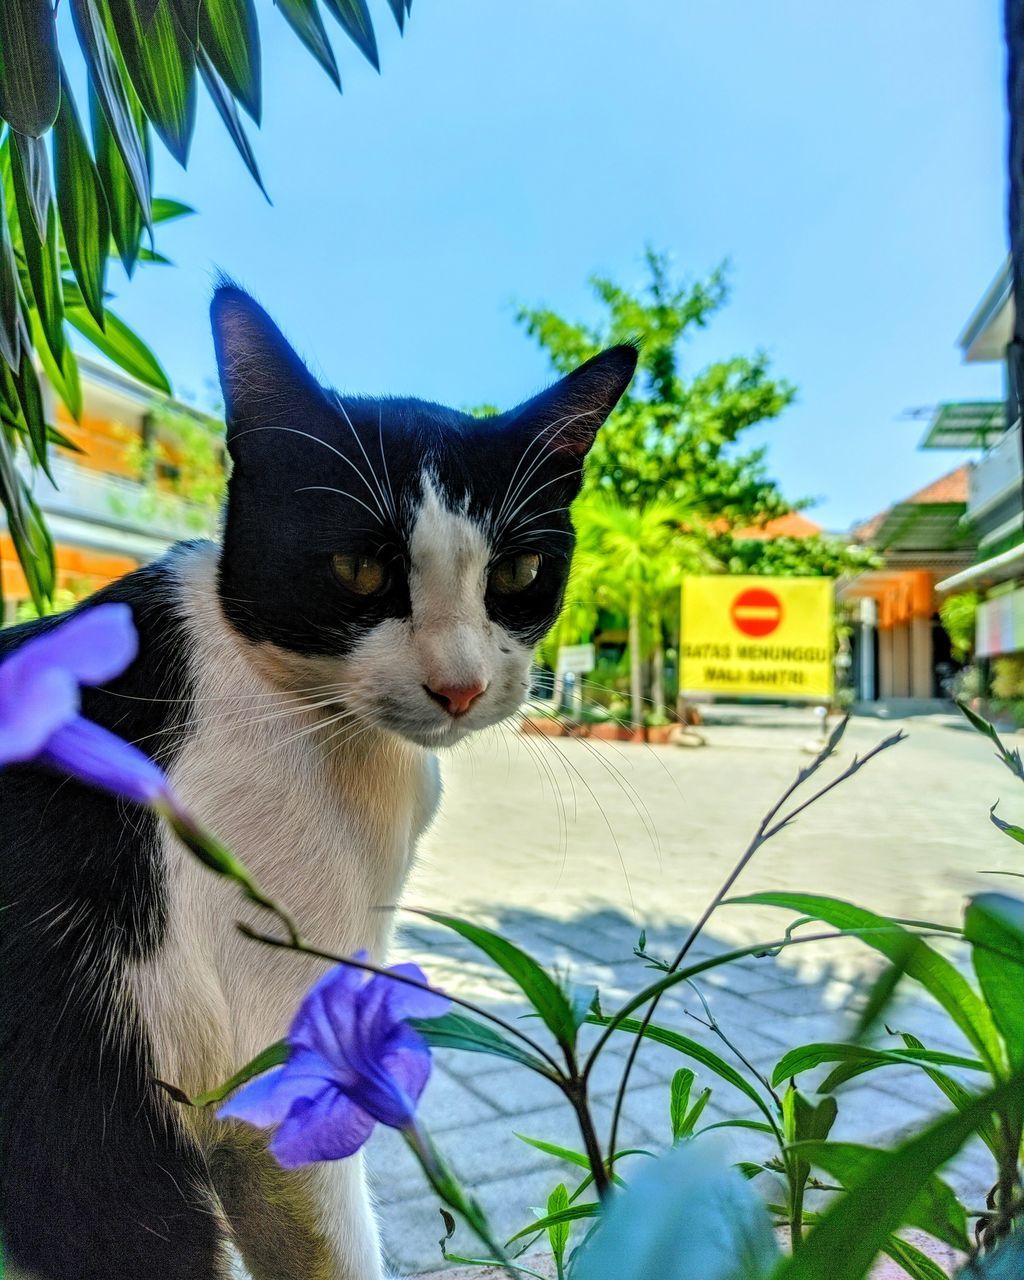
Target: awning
x,y
1001,568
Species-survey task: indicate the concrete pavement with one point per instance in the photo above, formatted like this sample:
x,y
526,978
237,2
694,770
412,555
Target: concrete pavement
x,y
571,847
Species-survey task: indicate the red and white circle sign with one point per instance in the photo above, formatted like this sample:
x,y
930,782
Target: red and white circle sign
x,y
756,612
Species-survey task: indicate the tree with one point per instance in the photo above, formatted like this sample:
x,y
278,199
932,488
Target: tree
x,y
672,436
628,560
69,202
668,453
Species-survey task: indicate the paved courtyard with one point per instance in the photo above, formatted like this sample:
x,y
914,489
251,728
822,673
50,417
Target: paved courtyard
x,y
571,847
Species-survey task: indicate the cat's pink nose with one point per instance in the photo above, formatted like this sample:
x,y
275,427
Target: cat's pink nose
x,y
456,698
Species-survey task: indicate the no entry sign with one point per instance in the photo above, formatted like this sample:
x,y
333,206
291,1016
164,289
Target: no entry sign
x,y
756,612
764,636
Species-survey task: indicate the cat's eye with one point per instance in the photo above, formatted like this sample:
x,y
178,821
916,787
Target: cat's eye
x,y
514,573
362,575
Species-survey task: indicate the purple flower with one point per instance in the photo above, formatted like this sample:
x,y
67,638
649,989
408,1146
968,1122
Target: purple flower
x,y
40,687
354,1061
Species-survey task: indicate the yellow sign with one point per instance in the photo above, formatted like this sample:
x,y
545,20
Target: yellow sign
x,y
753,635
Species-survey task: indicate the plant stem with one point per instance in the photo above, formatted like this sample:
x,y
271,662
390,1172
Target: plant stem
x,y
769,826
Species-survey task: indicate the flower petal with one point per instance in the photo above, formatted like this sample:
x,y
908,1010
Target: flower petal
x,y
267,1100
408,1065
33,705
94,755
93,645
405,1001
326,1018
328,1128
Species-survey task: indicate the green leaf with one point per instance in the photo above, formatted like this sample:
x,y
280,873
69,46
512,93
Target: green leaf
x,y
117,341
1007,828
957,1095
123,208
572,1213
679,1100
1011,759
916,1264
558,1231
456,1031
64,378
354,17
695,1050
165,210
10,308
303,17
809,1056
117,123
696,1111
934,1209
229,33
936,974
758,1126
31,400
29,66
398,9
684,1217
856,1226
994,925
161,63
543,993
225,105
81,204
273,1056
41,258
30,160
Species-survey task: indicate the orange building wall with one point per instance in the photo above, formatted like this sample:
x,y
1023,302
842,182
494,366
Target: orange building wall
x,y
78,569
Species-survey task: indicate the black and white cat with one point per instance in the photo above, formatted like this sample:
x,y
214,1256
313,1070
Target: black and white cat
x,y
386,568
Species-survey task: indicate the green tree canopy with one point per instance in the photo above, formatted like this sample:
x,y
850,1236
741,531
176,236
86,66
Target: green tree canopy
x,y
672,436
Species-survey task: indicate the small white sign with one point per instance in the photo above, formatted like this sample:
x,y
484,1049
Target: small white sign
x,y
576,658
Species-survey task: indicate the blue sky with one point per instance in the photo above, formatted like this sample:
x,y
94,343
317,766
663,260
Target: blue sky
x,y
847,160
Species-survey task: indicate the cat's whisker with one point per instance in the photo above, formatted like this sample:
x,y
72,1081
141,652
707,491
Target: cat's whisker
x,y
362,449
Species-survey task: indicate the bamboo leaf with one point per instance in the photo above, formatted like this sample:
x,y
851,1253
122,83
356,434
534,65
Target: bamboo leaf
x,y
303,16
29,66
81,204
31,157
117,119
229,33
41,257
64,378
161,64
354,17
10,311
225,105
117,341
398,9
165,210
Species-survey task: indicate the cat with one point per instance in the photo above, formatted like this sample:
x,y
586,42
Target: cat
x,y
385,570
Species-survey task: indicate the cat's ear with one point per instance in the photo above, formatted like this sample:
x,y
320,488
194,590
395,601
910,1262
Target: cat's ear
x,y
265,384
568,414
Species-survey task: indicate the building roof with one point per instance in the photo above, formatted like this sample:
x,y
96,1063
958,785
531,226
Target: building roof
x,y
927,520
791,525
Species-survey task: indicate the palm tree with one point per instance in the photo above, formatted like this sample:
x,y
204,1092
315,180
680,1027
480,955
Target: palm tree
x,y
632,558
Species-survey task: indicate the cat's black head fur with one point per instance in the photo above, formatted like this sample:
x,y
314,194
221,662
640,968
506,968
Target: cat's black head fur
x,y
316,474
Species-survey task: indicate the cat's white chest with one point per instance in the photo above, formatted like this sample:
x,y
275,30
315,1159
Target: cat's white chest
x,y
327,823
